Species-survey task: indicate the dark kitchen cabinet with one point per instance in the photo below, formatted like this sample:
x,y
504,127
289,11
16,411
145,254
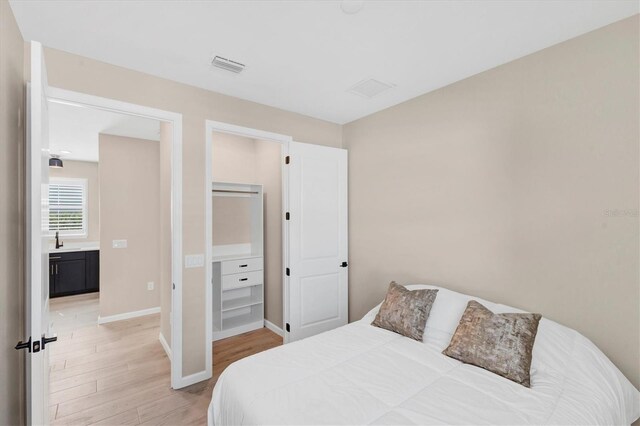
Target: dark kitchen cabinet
x,y
92,270
74,273
70,276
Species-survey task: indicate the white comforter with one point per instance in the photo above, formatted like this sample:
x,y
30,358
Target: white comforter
x,y
360,374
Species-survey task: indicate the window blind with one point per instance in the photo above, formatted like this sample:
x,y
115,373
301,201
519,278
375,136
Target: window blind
x,y
67,207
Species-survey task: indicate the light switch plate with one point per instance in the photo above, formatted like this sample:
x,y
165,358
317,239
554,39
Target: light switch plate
x,y
194,261
119,244
150,285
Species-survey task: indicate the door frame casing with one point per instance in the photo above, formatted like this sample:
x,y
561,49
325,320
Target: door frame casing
x,y
248,132
175,119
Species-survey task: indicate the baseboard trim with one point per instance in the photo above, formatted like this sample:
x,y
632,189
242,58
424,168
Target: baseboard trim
x,y
271,326
165,345
128,315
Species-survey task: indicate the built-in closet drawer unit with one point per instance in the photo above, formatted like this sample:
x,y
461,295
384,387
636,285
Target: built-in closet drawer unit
x,y
247,279
242,265
238,304
238,268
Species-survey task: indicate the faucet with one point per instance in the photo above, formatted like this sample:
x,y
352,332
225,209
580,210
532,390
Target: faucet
x,y
58,243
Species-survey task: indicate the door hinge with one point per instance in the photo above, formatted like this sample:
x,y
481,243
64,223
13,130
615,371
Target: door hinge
x,y
287,216
287,159
287,328
287,271
174,285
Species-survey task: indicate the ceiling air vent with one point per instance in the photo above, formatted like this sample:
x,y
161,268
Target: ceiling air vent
x,y
227,64
370,88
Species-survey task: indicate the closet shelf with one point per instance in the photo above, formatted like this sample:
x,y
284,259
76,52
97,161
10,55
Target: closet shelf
x,y
240,302
239,321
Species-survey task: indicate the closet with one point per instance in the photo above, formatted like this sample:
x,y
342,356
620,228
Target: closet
x,y
238,258
277,235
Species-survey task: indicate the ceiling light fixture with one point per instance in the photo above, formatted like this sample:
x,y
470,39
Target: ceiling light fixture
x,y
55,162
351,7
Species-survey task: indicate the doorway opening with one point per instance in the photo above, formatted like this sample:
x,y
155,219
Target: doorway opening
x,y
138,186
246,200
109,255
108,182
71,253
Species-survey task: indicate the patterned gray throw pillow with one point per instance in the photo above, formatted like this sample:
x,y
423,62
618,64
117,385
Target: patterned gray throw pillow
x,y
500,343
404,311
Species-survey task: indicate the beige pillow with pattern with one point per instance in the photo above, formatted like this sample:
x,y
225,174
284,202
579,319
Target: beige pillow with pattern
x,y
404,311
500,343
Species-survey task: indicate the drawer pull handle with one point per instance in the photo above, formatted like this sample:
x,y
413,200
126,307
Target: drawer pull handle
x,y
243,266
243,279
55,257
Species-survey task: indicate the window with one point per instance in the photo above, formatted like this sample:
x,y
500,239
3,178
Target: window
x,y
68,207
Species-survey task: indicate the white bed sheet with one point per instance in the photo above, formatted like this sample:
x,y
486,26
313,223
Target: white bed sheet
x,y
360,374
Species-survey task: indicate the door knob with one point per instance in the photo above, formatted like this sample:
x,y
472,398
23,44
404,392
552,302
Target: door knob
x,y
344,264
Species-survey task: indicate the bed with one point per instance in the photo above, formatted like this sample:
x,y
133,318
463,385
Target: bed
x,y
361,374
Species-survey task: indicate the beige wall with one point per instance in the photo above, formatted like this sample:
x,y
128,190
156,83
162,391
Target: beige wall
x,y
81,74
231,220
234,160
11,218
269,174
129,210
245,160
503,186
85,170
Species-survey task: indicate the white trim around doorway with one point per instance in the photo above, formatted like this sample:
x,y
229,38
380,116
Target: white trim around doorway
x,y
175,119
216,126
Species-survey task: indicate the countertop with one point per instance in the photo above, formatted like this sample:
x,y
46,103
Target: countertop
x,y
71,246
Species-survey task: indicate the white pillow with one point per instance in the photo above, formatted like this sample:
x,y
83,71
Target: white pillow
x,y
446,313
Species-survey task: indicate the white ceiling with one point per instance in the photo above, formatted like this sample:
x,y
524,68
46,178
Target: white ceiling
x,y
76,129
303,56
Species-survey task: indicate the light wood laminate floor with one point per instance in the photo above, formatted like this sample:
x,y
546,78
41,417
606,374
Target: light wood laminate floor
x,y
69,313
118,374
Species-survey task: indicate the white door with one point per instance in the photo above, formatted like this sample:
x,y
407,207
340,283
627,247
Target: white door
x,y
317,295
37,265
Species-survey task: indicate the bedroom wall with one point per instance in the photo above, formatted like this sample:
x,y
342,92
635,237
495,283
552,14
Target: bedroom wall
x,y
11,218
129,210
84,170
245,160
519,185
82,74
234,160
269,174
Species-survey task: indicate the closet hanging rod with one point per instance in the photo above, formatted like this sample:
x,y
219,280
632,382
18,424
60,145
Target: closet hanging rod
x,y
232,191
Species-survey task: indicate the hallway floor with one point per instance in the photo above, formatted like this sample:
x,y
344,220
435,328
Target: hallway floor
x,y
69,313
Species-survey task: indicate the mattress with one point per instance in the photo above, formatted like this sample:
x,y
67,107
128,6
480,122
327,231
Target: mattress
x,y
360,374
